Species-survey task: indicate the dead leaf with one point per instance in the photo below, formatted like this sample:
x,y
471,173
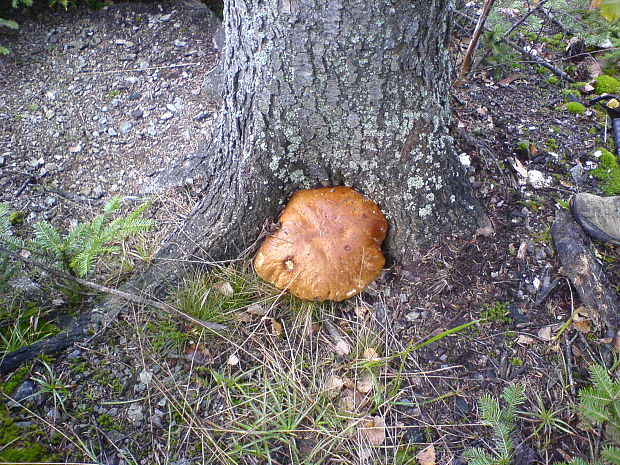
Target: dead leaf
x,y
244,317
582,321
426,456
348,382
276,327
587,89
522,252
518,167
352,400
613,103
257,309
524,340
342,347
546,333
365,384
224,288
361,311
593,66
371,354
198,355
333,385
510,79
373,429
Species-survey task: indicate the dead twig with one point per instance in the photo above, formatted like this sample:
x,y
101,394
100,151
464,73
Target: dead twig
x,y
536,59
512,29
473,43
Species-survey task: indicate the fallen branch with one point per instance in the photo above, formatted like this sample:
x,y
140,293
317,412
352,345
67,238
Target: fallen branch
x,y
558,72
580,266
76,332
115,292
518,23
473,43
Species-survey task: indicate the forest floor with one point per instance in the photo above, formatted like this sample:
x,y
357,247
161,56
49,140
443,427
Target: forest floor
x,y
96,104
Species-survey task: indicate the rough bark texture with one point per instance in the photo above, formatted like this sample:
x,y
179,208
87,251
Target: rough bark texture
x,y
330,92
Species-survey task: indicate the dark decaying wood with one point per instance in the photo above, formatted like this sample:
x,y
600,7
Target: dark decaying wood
x,y
75,332
581,267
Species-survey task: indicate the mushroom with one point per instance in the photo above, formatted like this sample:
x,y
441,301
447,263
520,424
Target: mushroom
x,y
328,246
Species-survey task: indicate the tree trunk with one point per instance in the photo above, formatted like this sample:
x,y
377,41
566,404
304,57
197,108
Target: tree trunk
x,y
329,92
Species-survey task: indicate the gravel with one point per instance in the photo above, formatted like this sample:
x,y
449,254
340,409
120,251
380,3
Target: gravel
x,y
99,102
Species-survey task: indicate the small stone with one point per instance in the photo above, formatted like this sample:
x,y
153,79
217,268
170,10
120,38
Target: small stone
x,y
412,316
202,115
97,192
146,376
165,18
135,96
171,107
166,116
131,79
180,43
36,163
135,414
126,43
112,132
125,127
137,113
79,44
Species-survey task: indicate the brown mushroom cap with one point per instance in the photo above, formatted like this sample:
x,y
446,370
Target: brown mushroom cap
x,y
328,246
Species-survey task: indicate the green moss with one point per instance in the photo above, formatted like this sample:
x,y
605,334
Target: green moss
x,y
608,172
551,143
516,361
575,108
21,445
16,218
606,85
498,312
553,80
15,380
577,85
567,92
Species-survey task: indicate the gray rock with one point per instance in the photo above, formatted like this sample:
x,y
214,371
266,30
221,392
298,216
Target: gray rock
x,y
166,116
112,132
125,127
79,44
180,43
135,96
137,113
97,192
203,115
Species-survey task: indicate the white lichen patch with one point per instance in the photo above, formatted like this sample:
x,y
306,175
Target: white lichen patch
x,y
425,211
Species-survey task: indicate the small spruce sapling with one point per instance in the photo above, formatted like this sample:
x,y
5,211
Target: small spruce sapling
x,y
502,420
77,251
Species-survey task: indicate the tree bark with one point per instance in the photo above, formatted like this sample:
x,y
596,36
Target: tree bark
x,y
328,92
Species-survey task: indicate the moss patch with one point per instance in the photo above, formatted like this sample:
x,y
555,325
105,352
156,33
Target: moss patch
x,y
606,85
575,107
22,445
608,172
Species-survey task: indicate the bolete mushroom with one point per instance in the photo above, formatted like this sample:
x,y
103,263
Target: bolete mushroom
x,y
328,246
